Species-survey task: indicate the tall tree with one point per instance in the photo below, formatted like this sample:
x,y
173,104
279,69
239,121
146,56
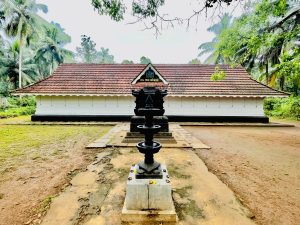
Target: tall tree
x,y
19,22
144,60
50,52
210,47
104,57
264,40
87,52
10,69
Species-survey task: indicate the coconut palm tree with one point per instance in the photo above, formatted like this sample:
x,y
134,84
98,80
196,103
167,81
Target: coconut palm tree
x,y
10,68
19,22
209,47
50,52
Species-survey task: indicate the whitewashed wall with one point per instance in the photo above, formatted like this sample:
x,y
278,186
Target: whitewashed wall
x,y
191,106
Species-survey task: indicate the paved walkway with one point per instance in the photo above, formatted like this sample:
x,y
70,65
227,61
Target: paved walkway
x,y
116,135
96,196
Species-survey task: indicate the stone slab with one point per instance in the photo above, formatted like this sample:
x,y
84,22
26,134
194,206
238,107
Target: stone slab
x,y
165,217
146,194
96,145
149,200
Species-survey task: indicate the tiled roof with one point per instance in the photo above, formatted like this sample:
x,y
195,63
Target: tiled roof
x,y
116,79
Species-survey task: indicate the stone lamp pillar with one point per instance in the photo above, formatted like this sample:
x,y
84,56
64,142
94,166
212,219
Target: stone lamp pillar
x,y
148,192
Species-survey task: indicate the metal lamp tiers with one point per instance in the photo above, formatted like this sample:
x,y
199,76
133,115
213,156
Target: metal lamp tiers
x,y
149,104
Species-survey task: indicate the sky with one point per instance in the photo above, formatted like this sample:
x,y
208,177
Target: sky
x,y
131,41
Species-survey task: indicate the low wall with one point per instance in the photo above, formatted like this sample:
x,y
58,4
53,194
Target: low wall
x,y
174,106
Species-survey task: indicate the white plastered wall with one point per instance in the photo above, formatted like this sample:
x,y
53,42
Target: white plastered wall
x,y
113,105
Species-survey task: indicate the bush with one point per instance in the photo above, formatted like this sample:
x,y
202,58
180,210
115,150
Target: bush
x,y
21,102
283,108
21,111
18,107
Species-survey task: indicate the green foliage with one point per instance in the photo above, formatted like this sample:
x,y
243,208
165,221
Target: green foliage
x,y
5,87
215,55
50,52
9,67
264,40
34,47
21,111
144,60
103,56
283,108
89,54
126,61
195,61
18,107
218,75
146,8
21,102
142,9
113,8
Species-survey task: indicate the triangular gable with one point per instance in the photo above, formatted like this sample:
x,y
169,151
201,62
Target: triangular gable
x,y
149,74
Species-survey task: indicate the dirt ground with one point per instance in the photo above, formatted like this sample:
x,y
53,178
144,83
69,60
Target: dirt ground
x,y
260,164
36,163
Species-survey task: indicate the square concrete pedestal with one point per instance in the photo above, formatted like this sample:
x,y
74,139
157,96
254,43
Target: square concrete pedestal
x,y
149,200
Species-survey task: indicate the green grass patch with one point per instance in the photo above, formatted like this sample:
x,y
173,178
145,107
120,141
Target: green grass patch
x,y
18,107
19,119
44,205
20,111
19,140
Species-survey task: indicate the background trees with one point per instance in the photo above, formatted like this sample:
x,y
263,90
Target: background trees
x,y
264,41
19,22
215,56
144,60
88,53
31,48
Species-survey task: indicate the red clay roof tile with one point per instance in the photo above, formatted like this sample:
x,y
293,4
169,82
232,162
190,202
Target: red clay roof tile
x,y
183,79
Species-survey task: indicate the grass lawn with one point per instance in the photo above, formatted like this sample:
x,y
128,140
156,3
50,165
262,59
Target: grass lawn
x,y
35,162
21,140
19,143
18,119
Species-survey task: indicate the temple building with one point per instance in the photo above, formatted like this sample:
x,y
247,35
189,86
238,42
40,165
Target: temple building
x,y
103,92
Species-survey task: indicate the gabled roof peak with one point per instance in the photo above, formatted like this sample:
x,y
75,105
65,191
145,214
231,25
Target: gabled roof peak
x,y
149,74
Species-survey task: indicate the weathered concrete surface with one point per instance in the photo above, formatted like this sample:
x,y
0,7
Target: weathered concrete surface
x,y
199,196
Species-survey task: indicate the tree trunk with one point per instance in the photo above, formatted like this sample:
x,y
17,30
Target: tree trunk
x,y
20,63
267,74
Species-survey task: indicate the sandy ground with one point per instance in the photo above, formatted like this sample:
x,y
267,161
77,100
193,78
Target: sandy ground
x,y
260,164
29,182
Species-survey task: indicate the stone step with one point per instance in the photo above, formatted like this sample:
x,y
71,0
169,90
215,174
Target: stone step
x,y
160,134
136,140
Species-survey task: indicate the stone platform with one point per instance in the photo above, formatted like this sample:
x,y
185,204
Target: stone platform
x,y
162,137
148,199
115,138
